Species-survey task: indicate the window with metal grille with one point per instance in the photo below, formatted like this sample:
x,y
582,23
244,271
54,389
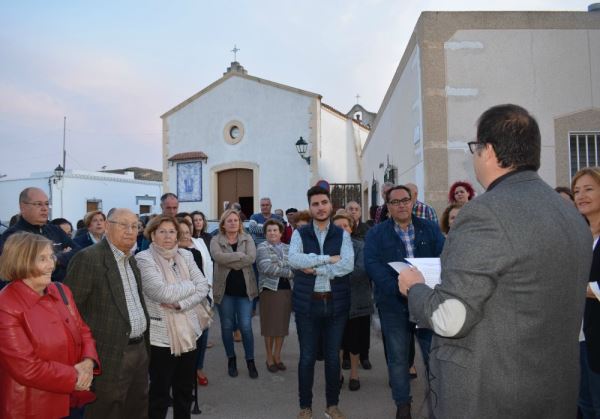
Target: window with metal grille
x,y
342,193
583,147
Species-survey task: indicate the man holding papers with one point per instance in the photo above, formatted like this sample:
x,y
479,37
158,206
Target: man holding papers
x,y
508,311
401,236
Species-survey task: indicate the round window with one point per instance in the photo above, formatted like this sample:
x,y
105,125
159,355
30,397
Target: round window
x,y
233,132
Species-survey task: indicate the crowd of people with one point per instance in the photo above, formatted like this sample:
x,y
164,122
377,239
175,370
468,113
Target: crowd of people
x,y
112,320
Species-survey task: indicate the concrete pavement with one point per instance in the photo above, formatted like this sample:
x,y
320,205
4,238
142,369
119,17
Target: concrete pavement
x,y
275,395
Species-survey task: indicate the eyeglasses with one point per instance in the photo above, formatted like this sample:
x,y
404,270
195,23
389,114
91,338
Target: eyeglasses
x,y
474,145
125,226
397,202
39,204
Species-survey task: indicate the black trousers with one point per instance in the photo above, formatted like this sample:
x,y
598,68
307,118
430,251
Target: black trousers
x,y
356,335
364,350
171,372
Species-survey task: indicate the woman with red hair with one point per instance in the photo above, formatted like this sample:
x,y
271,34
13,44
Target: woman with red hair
x,y
460,193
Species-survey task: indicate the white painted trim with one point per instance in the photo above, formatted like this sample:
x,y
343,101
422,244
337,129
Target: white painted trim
x,y
461,91
457,45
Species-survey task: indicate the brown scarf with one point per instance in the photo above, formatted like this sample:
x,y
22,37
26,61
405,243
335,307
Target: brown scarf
x,y
182,337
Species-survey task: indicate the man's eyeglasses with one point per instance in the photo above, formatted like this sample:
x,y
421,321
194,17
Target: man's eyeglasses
x,y
38,204
396,202
125,226
474,146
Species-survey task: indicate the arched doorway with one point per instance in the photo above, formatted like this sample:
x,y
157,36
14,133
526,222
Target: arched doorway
x,y
235,185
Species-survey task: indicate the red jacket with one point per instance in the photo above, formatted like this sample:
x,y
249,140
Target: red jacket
x,y
286,237
40,342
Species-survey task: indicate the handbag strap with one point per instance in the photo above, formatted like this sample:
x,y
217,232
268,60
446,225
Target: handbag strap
x,y
62,293
63,296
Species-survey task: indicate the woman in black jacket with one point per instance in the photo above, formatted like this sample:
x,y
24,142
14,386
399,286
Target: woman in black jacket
x,y
586,191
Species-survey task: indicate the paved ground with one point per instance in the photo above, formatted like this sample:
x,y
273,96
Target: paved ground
x,y
275,395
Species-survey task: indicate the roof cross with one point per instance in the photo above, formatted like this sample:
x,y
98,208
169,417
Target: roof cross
x,y
357,97
235,51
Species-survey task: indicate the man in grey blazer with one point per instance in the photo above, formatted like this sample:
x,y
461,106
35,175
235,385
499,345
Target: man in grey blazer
x,y
107,288
515,265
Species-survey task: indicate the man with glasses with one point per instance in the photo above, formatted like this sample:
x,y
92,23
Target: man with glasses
x,y
34,208
507,314
402,235
106,285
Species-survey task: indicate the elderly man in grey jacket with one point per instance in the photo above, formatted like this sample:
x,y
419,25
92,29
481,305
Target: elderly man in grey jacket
x,y
508,310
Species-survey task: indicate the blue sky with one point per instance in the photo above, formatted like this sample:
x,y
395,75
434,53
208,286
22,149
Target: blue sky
x,y
114,67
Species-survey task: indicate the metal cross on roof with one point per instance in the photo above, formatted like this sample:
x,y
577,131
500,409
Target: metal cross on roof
x,y
235,51
357,97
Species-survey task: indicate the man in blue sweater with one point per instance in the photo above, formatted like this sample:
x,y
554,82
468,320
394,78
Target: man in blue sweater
x,y
34,208
323,256
402,235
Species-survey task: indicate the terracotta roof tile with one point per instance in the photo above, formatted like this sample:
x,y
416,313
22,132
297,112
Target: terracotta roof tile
x,y
189,155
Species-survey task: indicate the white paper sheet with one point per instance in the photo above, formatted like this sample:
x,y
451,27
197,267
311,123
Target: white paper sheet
x,y
431,269
399,266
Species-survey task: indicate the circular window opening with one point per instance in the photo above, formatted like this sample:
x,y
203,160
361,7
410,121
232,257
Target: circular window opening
x,y
233,132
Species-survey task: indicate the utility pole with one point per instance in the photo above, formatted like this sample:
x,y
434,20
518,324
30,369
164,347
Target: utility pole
x,y
64,140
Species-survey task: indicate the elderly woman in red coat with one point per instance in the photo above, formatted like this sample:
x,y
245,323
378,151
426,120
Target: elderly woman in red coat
x,y
47,356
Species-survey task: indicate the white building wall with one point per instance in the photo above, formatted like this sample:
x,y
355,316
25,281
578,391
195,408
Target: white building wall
x,y
551,73
273,120
398,132
341,142
69,196
10,190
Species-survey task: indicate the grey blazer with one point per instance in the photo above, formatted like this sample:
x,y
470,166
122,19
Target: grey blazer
x,y
97,287
514,275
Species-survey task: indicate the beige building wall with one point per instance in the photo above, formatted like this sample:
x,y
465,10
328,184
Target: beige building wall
x,y
549,72
547,62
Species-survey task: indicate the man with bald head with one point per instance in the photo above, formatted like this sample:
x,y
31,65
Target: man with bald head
x,y
34,207
107,288
421,209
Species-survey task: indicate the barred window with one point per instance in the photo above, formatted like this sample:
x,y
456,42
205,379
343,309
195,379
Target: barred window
x,y
342,193
583,148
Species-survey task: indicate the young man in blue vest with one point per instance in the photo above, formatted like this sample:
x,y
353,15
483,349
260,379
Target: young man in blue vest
x,y
323,257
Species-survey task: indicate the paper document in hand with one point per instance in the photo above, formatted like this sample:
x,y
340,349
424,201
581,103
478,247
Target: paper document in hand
x,y
431,269
399,266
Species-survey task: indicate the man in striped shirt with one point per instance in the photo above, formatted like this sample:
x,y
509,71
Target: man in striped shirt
x,y
421,209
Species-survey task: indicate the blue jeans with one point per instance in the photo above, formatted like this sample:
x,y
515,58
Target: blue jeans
x,y
230,309
589,387
201,346
320,324
397,330
424,337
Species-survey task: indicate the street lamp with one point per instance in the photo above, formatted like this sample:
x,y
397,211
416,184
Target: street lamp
x,y
301,147
58,174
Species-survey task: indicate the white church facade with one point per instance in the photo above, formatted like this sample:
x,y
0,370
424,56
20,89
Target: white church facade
x,y
236,141
457,65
